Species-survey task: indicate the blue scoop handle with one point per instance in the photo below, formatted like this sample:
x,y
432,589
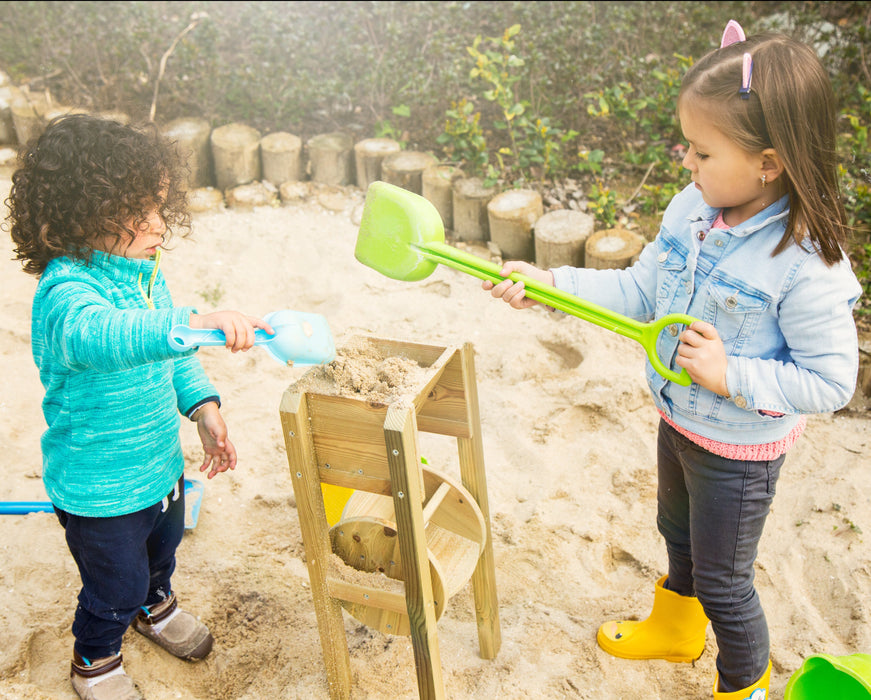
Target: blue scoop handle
x,y
24,507
184,337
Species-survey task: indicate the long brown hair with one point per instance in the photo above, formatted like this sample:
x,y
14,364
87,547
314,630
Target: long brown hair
x,y
791,108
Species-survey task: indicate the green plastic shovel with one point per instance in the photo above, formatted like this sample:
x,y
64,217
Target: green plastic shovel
x,y
402,236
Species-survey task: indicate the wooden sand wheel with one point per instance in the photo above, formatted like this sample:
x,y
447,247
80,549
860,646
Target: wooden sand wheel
x,y
409,537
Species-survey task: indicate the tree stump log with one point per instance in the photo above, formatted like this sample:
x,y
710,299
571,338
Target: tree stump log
x,y
613,249
330,158
281,158
368,156
124,118
512,215
7,126
191,136
28,115
560,238
8,162
469,203
236,155
405,169
56,111
437,185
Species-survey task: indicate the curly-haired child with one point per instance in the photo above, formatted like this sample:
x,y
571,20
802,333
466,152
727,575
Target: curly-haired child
x,y
90,209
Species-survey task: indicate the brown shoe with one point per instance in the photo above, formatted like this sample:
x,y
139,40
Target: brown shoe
x,y
177,631
103,679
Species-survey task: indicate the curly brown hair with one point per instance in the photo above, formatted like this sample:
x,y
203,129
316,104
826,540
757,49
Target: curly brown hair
x,y
86,177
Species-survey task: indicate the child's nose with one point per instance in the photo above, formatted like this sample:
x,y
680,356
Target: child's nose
x,y
686,161
157,223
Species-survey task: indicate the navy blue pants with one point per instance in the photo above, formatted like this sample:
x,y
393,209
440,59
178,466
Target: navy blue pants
x,y
711,512
124,562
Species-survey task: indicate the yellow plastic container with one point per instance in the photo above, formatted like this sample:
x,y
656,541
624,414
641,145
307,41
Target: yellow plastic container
x,y
824,677
335,498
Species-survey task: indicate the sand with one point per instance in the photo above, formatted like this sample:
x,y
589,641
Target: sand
x,y
569,447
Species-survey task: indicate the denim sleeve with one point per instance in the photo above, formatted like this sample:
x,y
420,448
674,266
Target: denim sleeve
x,y
630,292
816,320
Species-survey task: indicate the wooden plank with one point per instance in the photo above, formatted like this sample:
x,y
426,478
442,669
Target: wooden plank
x,y
400,436
443,410
471,452
367,595
348,435
315,534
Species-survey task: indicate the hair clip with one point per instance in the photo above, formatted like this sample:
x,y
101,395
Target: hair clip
x,y
746,76
732,34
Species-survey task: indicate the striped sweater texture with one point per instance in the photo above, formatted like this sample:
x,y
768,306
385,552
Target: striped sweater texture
x,y
114,388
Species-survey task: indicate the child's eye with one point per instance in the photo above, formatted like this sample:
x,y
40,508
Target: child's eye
x,y
701,156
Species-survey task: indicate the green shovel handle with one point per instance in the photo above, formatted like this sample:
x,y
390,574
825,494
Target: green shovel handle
x,y
644,333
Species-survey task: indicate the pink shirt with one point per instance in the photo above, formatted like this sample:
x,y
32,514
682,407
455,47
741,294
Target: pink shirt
x,y
754,453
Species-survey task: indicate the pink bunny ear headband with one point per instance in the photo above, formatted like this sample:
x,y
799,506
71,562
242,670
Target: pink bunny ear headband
x,y
731,35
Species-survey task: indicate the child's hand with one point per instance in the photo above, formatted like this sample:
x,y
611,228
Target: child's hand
x,y
220,455
238,328
514,293
702,353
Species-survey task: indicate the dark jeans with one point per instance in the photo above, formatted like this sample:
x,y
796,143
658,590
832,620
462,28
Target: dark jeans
x,y
124,562
711,514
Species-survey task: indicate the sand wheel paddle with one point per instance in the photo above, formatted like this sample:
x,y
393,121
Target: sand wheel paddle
x,y
366,539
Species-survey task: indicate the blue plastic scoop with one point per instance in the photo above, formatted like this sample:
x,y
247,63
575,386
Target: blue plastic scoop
x,y
300,338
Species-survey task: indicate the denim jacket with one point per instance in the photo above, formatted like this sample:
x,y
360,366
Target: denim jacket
x,y
786,321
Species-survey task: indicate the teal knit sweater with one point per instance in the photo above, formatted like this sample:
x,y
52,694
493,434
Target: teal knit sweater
x,y
113,386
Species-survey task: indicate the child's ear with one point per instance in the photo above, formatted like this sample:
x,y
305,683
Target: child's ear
x,y
771,166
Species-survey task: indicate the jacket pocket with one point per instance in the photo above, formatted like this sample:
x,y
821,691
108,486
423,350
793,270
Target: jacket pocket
x,y
736,312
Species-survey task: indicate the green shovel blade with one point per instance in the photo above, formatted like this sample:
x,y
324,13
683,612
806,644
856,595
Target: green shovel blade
x,y
391,223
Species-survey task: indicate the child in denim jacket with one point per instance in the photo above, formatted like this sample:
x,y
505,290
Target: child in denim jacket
x,y
753,249
91,208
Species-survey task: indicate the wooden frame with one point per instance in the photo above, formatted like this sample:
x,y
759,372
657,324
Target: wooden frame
x,y
374,448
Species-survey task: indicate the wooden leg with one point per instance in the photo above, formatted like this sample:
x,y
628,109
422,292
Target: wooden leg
x,y
471,455
315,536
400,431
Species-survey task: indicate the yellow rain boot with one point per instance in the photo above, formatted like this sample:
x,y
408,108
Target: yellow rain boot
x,y
757,691
675,630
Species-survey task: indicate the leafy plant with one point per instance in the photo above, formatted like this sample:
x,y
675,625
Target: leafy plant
x,y
463,140
386,128
590,161
602,202
533,142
